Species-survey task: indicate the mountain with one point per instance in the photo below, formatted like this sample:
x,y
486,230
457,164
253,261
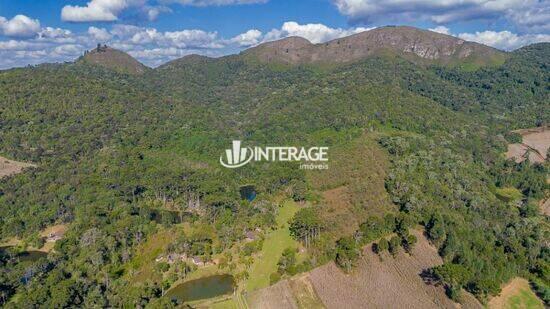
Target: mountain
x,y
407,41
113,59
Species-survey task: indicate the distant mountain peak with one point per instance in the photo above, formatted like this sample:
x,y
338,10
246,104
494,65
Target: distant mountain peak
x,y
403,40
113,59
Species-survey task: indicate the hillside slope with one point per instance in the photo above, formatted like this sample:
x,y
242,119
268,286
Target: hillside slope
x,y
114,59
426,45
113,151
388,282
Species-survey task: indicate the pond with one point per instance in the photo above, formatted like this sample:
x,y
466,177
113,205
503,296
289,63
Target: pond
x,y
25,256
248,192
203,288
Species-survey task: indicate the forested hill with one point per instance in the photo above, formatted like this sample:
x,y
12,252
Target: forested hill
x,y
123,158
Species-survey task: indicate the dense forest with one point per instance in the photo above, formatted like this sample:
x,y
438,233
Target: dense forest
x,y
121,158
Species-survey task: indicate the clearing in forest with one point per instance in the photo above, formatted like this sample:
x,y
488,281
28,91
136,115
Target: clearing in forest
x,y
534,141
9,167
387,282
274,245
516,294
353,188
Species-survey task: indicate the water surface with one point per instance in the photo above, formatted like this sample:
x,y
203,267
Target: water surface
x,y
203,288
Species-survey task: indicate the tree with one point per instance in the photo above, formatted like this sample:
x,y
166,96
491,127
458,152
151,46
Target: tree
x,y
287,262
347,253
394,245
299,191
455,276
408,242
383,245
306,225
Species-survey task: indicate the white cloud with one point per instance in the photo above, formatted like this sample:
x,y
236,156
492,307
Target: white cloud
x,y
315,33
441,29
249,38
504,40
19,26
214,2
154,47
20,45
193,39
113,10
527,15
98,10
189,38
68,50
99,34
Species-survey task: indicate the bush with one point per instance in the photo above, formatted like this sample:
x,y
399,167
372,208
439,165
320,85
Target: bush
x,y
513,137
274,278
394,244
347,253
382,246
408,242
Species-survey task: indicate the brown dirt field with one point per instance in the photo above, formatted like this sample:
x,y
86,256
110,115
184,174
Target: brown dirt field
x,y
516,152
338,208
537,139
384,283
277,296
294,293
304,293
375,283
514,287
9,167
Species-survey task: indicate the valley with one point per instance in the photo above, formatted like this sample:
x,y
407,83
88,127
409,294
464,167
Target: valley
x,y
129,206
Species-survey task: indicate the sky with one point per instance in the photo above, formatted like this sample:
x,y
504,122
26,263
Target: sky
x,y
157,31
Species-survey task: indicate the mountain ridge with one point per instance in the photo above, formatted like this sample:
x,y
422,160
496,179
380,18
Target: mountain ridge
x,y
403,40
416,44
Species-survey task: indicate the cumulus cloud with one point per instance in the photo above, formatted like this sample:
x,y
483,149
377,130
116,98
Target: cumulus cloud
x,y
19,26
315,33
527,15
504,40
441,29
54,33
113,10
98,10
249,38
99,34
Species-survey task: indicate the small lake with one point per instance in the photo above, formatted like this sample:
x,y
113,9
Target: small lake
x,y
248,192
25,256
203,288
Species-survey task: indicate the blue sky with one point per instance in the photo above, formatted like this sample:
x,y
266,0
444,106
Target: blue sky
x,y
156,31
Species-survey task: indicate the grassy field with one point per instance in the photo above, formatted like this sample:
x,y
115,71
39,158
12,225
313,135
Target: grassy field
x,y
273,247
353,188
517,294
525,299
226,304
